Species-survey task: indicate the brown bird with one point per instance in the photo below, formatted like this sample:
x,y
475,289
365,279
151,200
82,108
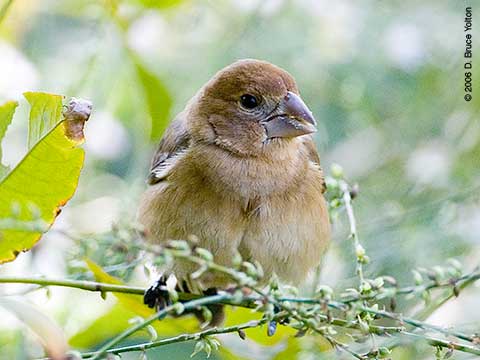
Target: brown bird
x,y
239,170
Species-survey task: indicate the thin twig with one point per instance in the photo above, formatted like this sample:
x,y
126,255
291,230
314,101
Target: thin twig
x,y
162,313
444,343
248,301
77,284
182,338
347,200
461,282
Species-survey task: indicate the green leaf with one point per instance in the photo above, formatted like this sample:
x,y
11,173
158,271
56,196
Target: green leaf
x,y
4,9
50,334
44,180
132,302
104,327
157,97
45,113
257,334
291,350
157,4
6,114
226,354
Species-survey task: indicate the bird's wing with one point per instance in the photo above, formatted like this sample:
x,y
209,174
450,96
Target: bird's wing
x,y
314,157
172,147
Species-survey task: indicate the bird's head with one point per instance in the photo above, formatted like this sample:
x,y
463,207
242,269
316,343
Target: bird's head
x,y
249,106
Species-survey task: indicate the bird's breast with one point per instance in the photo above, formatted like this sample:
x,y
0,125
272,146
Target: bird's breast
x,y
272,213
249,178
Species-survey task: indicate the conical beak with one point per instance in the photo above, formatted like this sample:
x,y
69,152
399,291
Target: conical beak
x,y
293,118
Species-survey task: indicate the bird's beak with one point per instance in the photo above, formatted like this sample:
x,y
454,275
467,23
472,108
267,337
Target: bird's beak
x,y
292,118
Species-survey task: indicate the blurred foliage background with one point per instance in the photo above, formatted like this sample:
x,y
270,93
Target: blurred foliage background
x,y
384,79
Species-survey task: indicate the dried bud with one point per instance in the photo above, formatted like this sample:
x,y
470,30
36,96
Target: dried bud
x,y
259,269
439,272
390,280
250,269
455,264
237,260
426,296
178,245
324,292
199,272
199,346
204,254
332,184
378,283
364,327
335,203
417,277
178,308
152,332
274,282
384,352
365,287
336,171
354,191
207,316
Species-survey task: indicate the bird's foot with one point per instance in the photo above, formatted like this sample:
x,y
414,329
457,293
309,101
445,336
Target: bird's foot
x,y
157,295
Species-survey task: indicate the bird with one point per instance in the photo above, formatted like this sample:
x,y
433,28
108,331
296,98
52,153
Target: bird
x,y
238,169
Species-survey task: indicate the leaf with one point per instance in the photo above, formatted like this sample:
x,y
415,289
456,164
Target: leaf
x,y
43,181
6,114
157,4
258,334
4,9
158,99
48,332
291,350
45,113
104,327
226,354
132,302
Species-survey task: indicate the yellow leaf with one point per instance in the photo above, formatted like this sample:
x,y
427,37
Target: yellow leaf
x,y
134,303
43,181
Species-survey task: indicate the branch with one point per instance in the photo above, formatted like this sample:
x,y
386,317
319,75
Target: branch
x,y
249,302
456,284
182,338
444,343
159,315
359,250
77,284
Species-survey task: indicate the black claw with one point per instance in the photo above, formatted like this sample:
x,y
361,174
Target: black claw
x,y
210,291
157,295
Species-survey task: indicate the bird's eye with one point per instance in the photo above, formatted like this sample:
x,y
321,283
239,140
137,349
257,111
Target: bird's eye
x,y
248,101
